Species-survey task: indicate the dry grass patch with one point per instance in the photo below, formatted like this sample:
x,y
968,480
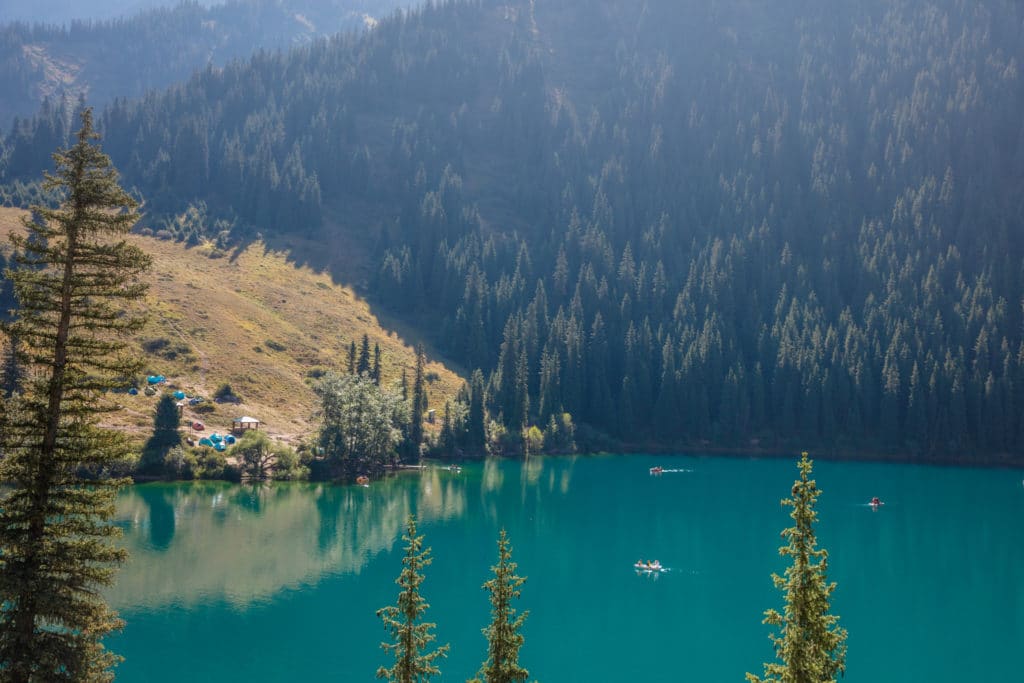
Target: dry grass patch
x,y
259,323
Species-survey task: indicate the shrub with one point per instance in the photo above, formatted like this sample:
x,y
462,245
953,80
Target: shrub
x,y
155,345
533,440
225,393
165,348
275,346
287,464
560,435
210,463
316,373
214,465
180,464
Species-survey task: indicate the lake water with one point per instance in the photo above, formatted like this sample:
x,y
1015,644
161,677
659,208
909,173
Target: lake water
x,y
281,583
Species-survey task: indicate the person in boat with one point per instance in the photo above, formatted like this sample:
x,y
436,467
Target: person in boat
x,y
876,501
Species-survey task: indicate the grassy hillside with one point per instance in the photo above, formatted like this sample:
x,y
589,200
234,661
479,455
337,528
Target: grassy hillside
x,y
257,322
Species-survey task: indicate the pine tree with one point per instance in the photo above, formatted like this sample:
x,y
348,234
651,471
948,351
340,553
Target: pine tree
x,y
410,635
503,635
476,436
352,358
419,402
76,280
375,372
165,435
363,364
811,647
447,433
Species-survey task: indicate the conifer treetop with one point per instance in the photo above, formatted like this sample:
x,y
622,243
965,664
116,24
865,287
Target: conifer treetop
x,y
410,636
810,645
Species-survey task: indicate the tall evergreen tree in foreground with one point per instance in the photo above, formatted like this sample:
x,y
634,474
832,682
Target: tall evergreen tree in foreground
x,y
503,635
810,646
75,282
410,635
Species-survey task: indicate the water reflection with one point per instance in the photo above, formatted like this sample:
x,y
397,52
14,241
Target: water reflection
x,y
161,516
194,542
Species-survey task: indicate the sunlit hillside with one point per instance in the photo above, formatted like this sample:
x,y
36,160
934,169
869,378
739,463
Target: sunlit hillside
x,y
258,323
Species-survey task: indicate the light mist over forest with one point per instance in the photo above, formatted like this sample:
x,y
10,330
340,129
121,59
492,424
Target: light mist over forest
x,y
686,224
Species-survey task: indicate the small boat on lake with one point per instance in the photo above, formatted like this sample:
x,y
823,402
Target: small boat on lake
x,y
649,567
657,470
363,480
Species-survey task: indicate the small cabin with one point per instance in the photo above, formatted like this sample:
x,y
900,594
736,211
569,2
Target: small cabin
x,y
241,424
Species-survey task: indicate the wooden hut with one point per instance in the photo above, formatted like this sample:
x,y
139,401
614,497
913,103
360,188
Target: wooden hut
x,y
241,424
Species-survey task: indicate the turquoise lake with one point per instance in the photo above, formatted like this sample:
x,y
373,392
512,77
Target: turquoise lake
x,y
281,582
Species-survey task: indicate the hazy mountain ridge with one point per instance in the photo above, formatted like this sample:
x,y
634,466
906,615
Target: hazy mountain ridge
x,y
101,60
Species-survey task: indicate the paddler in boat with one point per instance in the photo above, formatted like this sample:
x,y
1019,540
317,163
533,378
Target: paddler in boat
x,y
875,502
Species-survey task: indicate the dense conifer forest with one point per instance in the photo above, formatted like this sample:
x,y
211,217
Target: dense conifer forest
x,y
688,224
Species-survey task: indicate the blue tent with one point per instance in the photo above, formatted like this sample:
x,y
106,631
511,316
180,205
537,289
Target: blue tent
x,y
133,391
220,446
229,439
155,379
216,438
205,442
179,395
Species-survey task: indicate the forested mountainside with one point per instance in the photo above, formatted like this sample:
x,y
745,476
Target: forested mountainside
x,y
685,223
124,57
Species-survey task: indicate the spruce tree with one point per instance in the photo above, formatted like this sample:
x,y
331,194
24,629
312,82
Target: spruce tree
x,y
75,283
363,364
166,436
476,428
375,372
503,635
410,636
419,403
810,646
352,358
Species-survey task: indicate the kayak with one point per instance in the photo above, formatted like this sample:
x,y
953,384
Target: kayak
x,y
648,567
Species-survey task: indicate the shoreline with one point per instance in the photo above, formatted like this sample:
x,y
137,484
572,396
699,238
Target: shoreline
x,y
982,462
987,462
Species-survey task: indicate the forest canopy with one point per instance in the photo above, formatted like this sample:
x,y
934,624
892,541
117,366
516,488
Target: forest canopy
x,y
683,223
